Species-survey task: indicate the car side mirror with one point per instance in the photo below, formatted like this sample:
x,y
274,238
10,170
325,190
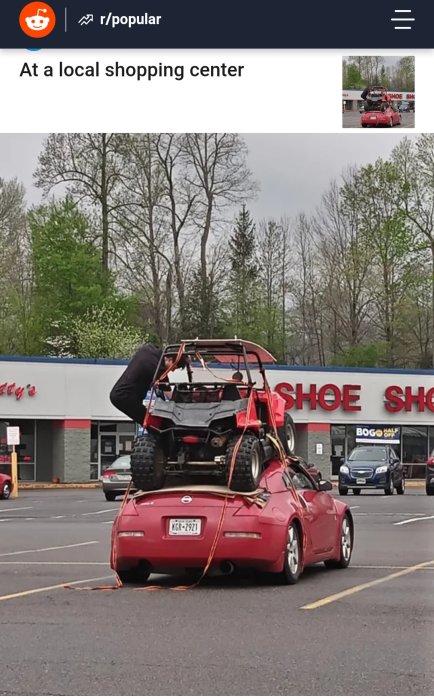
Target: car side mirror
x,y
324,485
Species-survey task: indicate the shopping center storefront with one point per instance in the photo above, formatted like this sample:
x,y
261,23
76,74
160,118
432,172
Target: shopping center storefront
x,y
70,432
351,99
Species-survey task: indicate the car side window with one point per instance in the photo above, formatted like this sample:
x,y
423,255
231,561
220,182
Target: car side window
x,y
300,481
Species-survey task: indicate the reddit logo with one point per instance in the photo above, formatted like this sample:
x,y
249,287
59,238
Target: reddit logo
x,y
37,19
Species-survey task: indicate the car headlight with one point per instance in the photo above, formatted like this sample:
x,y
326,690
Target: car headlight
x,y
381,470
344,469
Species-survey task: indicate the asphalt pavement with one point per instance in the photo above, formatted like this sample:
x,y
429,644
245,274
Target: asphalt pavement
x,y
367,630
351,120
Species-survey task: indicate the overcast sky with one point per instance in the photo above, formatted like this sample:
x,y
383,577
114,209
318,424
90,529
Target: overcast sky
x,y
293,170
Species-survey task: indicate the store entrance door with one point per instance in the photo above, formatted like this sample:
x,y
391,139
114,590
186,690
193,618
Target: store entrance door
x,y
107,450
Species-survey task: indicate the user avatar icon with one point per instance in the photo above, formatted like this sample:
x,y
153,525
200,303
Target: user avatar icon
x,y
37,19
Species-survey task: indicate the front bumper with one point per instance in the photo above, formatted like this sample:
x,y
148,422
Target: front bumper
x,y
374,482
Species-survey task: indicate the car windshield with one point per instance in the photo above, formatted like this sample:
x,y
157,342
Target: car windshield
x,y
122,463
367,454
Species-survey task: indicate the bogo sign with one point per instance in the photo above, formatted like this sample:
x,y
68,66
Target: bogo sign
x,y
378,434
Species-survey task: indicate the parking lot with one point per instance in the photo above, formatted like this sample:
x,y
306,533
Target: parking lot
x,y
366,630
351,120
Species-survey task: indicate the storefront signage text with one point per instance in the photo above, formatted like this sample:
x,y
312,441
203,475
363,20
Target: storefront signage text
x,y
329,397
379,434
12,389
397,398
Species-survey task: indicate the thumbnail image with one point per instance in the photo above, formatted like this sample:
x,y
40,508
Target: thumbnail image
x,y
378,91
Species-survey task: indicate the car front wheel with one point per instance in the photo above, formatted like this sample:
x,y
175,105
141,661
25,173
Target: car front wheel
x,y
293,557
429,490
343,491
389,488
400,489
6,490
346,546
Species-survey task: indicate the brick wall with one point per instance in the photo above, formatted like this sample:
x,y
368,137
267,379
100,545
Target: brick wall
x,y
308,437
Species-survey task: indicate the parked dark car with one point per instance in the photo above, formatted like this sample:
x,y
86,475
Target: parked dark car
x,y
429,483
372,467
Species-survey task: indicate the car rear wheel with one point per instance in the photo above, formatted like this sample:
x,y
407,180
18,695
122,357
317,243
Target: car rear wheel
x,y
110,496
364,126
356,492
286,434
343,491
389,488
293,557
6,490
400,489
346,547
248,463
429,490
148,464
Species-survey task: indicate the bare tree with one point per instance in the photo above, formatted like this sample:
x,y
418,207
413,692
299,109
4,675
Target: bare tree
x,y
415,164
346,263
219,178
88,166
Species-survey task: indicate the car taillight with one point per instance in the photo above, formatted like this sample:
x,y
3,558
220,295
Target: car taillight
x,y
108,473
131,533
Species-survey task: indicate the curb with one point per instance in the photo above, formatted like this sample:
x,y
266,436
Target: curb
x,y
43,485
416,483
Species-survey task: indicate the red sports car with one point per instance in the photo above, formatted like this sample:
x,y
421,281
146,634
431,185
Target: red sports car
x,y
389,117
287,523
5,486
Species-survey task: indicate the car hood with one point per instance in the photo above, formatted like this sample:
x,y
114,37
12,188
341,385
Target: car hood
x,y
372,463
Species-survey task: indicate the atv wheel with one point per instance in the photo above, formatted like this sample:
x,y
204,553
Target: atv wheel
x,y
286,434
248,463
148,463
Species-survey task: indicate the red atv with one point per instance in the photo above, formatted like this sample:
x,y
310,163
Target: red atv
x,y
224,425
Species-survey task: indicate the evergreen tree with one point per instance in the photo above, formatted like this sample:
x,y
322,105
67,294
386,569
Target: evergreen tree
x,y
243,275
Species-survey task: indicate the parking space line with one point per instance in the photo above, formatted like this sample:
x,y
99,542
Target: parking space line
x,y
363,586
49,549
57,563
97,512
414,520
21,594
12,509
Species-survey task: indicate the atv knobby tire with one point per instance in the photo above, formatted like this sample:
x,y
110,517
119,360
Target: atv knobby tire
x,y
148,463
286,434
248,462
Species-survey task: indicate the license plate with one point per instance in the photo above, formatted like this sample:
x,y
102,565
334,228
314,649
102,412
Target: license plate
x,y
360,481
123,477
184,526
373,118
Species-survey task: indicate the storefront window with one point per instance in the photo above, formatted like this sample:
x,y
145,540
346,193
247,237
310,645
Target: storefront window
x,y
414,444
338,447
25,450
94,451
431,439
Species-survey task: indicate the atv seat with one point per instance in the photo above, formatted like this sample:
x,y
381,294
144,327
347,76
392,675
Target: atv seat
x,y
230,393
185,394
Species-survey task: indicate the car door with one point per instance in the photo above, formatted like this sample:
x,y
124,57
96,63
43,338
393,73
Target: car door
x,y
320,516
